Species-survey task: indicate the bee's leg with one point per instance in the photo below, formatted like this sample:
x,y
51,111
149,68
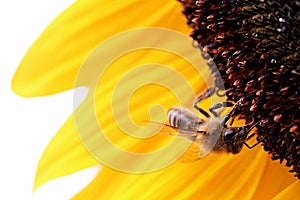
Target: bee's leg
x,y
218,92
229,115
210,91
253,126
222,105
250,147
250,136
203,112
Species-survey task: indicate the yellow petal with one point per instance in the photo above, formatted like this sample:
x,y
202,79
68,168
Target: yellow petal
x,y
51,64
87,23
54,164
64,154
275,178
73,156
214,177
217,176
291,192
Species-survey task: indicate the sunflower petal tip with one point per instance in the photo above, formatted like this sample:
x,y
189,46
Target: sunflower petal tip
x,y
16,87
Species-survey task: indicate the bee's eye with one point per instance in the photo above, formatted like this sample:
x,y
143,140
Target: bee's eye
x,y
228,135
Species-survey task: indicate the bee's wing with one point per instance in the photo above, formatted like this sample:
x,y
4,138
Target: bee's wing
x,y
175,131
197,150
192,154
196,137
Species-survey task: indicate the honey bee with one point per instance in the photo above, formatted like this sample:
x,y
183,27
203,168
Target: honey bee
x,y
212,134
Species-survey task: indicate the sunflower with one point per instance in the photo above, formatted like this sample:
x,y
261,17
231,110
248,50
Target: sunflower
x,y
136,63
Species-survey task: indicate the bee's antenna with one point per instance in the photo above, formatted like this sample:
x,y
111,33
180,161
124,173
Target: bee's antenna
x,y
228,116
225,119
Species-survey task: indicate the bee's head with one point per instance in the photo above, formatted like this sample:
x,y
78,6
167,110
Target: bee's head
x,y
234,138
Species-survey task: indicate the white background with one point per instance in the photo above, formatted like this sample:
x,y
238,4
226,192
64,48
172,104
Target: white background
x,y
28,124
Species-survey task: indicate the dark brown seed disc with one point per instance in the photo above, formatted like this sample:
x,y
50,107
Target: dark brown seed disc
x,y
255,45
